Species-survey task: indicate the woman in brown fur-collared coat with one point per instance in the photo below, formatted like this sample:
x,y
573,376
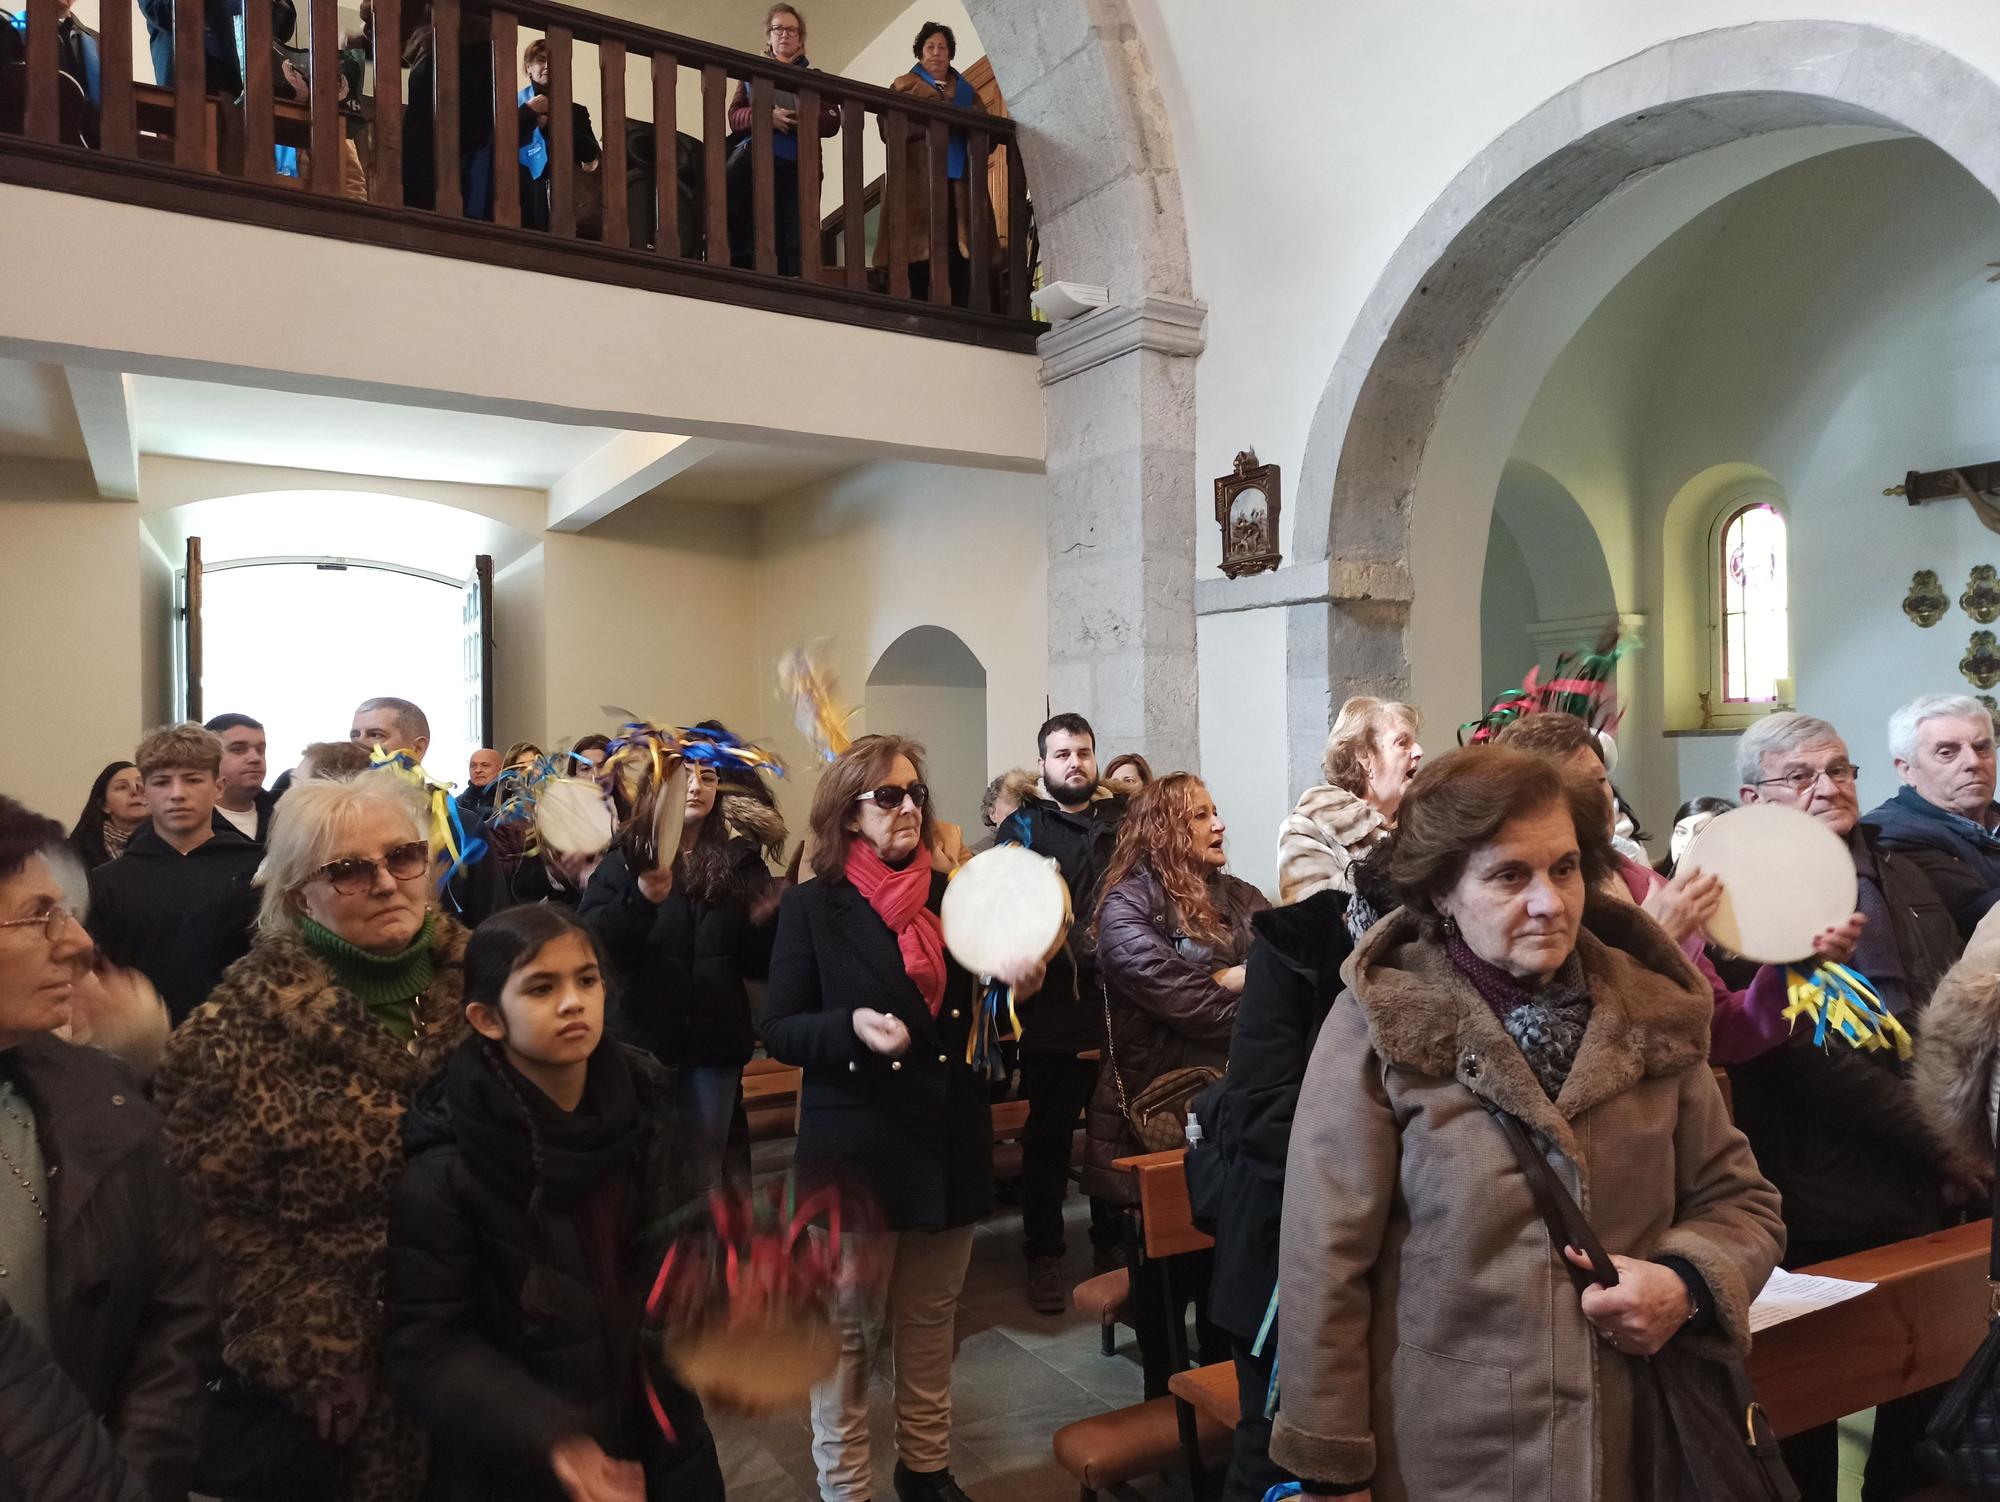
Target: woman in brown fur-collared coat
x,y
284,1098
1433,1344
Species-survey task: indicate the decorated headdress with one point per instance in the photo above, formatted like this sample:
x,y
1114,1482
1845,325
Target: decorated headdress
x,y
650,761
1583,683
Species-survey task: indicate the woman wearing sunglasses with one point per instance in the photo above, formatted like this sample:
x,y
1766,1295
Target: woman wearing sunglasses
x,y
284,1098
865,997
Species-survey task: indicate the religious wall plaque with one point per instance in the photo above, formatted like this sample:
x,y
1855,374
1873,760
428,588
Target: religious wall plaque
x,y
1246,508
1981,662
1926,602
1981,599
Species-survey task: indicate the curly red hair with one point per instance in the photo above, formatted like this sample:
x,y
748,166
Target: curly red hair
x,y
1158,833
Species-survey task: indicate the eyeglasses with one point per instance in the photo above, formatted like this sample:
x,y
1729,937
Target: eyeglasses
x,y
52,923
889,799
356,874
1801,778
788,31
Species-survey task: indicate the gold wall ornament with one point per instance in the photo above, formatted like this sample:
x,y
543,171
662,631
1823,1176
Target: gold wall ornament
x,y
1981,599
1981,662
1926,603
1992,709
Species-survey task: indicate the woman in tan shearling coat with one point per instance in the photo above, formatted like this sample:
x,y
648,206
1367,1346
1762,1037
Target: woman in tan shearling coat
x,y
1434,1345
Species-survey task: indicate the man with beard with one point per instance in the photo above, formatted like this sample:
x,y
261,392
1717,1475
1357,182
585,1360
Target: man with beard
x,y
1944,816
1074,822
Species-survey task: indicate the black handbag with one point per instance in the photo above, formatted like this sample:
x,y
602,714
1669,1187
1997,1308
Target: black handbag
x,y
1962,1443
255,1445
1698,1431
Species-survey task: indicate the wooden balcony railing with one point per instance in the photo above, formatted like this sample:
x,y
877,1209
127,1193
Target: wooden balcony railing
x,y
452,135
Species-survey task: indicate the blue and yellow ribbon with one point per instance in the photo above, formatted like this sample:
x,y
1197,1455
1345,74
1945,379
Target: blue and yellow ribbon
x,y
449,841
1839,1001
982,1043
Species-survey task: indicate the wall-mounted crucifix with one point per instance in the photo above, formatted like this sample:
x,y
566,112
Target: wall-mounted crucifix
x,y
1977,483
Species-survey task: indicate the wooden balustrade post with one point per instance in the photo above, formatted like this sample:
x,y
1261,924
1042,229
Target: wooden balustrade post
x,y
506,120
1017,235
259,164
562,137
895,193
979,233
715,162
942,241
190,87
763,169
809,171
327,126
444,107
666,154
853,195
617,223
42,118
117,129
386,129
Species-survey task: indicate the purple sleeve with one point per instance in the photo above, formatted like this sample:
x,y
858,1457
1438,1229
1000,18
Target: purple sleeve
x,y
1748,1023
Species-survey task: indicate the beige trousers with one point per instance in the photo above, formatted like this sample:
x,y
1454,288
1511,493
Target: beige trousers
x,y
917,1307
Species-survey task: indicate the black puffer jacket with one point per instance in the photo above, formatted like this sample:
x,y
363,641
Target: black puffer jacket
x,y
680,968
1294,979
1167,1012
1067,1015
117,1411
499,1364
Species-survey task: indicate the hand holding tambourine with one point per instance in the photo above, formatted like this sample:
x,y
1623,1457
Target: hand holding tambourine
x,y
1005,914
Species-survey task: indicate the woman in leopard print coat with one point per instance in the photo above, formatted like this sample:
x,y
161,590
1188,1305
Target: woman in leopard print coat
x,y
284,1098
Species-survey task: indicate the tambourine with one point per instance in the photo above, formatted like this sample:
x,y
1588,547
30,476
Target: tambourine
x,y
659,816
746,1302
1005,909
572,816
1786,879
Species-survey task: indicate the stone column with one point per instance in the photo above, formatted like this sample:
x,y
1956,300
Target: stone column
x,y
1119,392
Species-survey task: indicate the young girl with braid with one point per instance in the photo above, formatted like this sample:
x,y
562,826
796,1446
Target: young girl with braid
x,y
518,1244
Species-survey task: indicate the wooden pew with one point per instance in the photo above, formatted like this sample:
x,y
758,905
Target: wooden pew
x,y
771,1099
1917,1327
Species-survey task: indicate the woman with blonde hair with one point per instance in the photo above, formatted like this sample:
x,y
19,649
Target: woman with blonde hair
x,y
1371,755
284,1097
1173,932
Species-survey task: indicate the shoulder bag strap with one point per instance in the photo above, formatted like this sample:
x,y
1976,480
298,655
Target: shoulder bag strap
x,y
1111,1052
1559,1209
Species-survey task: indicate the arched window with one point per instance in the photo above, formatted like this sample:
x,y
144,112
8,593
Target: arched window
x,y
1753,593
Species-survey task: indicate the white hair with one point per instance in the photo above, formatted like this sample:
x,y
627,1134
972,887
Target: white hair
x,y
312,822
1904,722
1784,731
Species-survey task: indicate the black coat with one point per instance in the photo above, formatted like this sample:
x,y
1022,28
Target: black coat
x,y
680,967
181,920
496,1383
114,1409
1962,863
1294,979
1067,1014
917,1132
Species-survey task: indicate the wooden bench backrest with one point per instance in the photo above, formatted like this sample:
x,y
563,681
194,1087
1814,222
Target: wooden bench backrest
x,y
1918,1327
1164,1214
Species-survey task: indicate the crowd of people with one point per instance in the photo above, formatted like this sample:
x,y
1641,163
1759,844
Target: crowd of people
x,y
363,1171
904,230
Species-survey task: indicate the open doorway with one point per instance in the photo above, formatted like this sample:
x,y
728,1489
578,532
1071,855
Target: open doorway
x,y
928,684
298,642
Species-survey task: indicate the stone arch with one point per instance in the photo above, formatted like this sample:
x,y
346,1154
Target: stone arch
x,y
1118,385
1493,225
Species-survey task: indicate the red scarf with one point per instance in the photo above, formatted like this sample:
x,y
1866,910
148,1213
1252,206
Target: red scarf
x,y
901,899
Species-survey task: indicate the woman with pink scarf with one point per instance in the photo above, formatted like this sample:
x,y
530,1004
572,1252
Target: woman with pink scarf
x,y
864,997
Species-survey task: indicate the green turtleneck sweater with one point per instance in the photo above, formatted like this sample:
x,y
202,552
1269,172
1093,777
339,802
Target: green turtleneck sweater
x,y
387,984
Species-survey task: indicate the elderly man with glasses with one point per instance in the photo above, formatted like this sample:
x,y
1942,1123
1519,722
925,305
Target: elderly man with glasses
x,y
1838,1130
1944,817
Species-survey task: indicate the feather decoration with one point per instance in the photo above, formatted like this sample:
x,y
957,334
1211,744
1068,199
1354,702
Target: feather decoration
x,y
809,684
1583,683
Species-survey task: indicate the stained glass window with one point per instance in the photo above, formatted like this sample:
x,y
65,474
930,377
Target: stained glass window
x,y
1756,643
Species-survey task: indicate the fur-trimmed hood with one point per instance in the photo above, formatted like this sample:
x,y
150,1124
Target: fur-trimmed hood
x,y
1958,1051
1650,1014
745,816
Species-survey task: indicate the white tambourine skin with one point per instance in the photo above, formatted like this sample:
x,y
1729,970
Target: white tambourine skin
x,y
1005,909
572,817
1786,878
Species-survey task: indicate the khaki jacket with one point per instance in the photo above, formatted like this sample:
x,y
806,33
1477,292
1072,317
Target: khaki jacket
x,y
1430,1337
